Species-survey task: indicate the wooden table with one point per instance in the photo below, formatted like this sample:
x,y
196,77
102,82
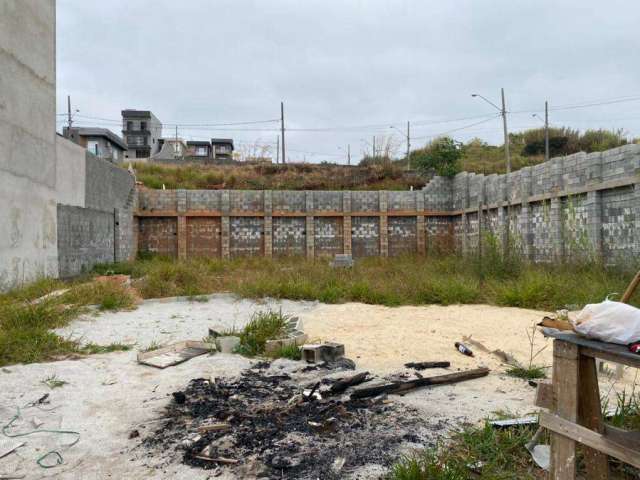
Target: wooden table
x,y
576,415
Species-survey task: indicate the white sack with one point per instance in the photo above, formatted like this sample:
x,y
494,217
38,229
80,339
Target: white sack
x,y
613,322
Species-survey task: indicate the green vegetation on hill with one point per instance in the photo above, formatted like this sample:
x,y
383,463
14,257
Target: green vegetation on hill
x,y
526,149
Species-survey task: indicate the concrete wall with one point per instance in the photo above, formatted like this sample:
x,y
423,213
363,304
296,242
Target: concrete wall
x,y
578,207
572,208
28,165
100,228
58,201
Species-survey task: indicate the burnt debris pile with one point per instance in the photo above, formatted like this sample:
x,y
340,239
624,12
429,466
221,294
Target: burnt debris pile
x,y
270,426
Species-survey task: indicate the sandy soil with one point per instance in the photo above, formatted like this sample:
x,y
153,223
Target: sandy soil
x,y
107,396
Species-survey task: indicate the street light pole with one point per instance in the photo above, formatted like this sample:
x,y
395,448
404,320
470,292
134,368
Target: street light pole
x,y
503,112
546,131
506,133
408,145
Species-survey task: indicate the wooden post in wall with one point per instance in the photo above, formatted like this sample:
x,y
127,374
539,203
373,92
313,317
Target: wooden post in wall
x,y
420,223
384,224
268,223
346,222
225,227
309,224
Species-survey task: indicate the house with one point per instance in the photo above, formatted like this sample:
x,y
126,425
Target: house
x,y
141,131
102,142
222,149
171,150
199,150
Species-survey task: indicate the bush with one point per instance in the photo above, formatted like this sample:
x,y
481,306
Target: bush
x,y
442,155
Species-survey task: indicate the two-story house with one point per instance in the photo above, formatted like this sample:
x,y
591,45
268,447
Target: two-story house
x,y
199,150
101,142
222,149
141,131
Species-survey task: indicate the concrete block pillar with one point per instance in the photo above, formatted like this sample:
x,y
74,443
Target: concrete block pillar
x,y
556,229
421,246
384,225
225,224
346,222
593,205
268,223
481,205
309,209
181,208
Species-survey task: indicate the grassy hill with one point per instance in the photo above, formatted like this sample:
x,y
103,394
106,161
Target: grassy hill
x,y
278,177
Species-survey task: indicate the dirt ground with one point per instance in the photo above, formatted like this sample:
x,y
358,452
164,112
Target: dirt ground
x,y
109,395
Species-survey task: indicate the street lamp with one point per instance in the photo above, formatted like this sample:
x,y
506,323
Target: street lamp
x,y
503,112
546,129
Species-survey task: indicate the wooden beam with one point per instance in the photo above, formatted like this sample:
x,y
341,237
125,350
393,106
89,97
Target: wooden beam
x,y
590,416
595,440
565,404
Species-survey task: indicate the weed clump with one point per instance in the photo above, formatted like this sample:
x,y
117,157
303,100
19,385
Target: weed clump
x,y
263,326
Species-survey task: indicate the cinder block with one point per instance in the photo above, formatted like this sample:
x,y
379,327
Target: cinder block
x,y
325,352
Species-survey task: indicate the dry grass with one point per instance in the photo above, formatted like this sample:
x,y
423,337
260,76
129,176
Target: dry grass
x,y
276,177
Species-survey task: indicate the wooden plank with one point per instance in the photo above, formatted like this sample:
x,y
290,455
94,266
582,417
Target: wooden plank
x,y
401,387
565,404
595,440
627,438
594,348
544,395
631,289
590,416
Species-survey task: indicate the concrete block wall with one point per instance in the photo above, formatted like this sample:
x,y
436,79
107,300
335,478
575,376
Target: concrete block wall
x,y
565,209
85,238
578,207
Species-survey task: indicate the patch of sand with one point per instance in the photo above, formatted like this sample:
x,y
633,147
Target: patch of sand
x,y
383,339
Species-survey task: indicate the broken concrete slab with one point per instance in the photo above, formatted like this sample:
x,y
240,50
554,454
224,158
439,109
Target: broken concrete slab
x,y
227,344
175,353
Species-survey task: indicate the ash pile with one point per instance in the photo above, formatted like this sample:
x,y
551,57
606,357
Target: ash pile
x,y
270,422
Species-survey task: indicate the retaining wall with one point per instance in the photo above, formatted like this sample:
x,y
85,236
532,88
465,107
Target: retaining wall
x,y
574,207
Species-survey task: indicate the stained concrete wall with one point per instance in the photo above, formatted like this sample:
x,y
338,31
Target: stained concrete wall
x,y
28,168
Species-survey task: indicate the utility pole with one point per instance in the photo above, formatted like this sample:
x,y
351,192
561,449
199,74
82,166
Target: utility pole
x,y
546,131
69,120
277,149
506,134
282,131
374,146
349,154
408,145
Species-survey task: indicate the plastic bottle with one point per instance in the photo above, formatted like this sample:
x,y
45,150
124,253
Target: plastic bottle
x,y
462,348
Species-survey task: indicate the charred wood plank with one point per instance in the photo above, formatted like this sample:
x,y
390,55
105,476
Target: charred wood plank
x,y
402,387
425,365
343,383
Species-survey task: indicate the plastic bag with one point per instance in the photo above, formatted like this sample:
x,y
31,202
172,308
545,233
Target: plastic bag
x,y
613,322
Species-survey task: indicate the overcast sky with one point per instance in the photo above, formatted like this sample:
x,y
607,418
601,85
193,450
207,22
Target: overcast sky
x,y
348,69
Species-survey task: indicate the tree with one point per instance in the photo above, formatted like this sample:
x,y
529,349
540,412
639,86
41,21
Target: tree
x,y
441,156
